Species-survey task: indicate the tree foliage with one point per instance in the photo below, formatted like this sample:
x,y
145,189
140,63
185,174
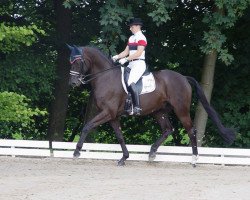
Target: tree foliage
x,y
226,16
14,32
17,116
160,10
27,73
14,108
12,37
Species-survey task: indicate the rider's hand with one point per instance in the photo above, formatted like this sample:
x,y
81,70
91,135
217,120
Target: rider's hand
x,y
115,58
123,61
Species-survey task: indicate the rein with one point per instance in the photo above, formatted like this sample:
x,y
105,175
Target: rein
x,y
83,81
83,78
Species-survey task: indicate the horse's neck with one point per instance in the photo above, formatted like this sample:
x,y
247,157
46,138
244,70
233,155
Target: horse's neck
x,y
102,68
99,63
105,71
99,68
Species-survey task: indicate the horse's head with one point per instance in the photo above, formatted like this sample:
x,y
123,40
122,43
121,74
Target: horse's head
x,y
78,66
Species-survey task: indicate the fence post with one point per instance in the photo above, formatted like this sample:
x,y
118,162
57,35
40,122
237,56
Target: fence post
x,y
12,151
51,148
222,156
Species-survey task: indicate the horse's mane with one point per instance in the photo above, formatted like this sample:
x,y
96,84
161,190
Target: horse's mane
x,y
101,53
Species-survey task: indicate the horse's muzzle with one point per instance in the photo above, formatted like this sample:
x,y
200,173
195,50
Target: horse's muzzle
x,y
74,83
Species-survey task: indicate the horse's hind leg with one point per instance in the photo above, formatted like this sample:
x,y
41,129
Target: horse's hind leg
x,y
187,123
166,128
193,138
117,128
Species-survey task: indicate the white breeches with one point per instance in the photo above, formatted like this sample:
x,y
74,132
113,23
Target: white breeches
x,y
137,67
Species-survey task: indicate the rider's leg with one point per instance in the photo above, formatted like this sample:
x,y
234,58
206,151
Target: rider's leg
x,y
137,70
135,98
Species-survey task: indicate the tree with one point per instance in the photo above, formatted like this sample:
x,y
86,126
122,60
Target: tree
x,y
60,102
231,94
17,32
223,16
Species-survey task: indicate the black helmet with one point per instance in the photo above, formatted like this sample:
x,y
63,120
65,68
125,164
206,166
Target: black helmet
x,y
135,21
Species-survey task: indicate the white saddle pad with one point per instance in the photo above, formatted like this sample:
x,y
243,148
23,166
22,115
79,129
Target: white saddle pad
x,y
148,83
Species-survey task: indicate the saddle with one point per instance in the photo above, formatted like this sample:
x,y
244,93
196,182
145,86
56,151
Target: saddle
x,y
145,84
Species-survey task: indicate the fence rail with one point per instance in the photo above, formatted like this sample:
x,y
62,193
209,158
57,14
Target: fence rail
x,y
224,156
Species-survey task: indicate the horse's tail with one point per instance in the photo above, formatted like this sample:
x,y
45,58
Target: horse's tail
x,y
226,133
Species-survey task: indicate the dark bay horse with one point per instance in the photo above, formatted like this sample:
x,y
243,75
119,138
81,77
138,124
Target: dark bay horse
x,y
173,92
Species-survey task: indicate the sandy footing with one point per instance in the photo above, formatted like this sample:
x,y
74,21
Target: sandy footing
x,y
66,179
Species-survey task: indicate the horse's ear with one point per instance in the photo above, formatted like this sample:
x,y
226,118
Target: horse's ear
x,y
78,50
70,47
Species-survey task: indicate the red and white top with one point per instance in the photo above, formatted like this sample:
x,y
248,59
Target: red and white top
x,y
138,39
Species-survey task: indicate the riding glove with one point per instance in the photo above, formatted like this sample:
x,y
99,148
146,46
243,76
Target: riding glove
x,y
123,61
115,58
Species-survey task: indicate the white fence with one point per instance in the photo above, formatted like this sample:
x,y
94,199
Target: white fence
x,y
228,156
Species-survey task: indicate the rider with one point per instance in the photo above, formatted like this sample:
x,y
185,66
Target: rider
x,y
135,50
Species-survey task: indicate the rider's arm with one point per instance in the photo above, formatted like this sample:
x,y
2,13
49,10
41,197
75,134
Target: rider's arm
x,y
124,53
137,54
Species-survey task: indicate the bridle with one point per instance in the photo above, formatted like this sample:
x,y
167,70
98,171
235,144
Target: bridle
x,y
80,76
84,79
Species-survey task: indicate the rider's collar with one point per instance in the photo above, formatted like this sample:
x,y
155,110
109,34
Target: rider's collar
x,y
137,33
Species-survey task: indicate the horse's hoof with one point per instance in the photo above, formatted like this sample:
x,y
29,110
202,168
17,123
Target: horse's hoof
x,y
151,157
194,160
76,154
121,163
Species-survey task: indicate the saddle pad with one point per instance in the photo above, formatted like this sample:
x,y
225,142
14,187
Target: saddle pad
x,y
148,83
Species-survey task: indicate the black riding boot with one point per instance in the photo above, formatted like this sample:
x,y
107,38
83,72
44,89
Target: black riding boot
x,y
135,99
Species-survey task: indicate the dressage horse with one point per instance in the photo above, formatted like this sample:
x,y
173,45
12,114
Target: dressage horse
x,y
173,92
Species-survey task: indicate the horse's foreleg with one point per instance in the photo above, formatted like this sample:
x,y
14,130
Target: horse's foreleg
x,y
96,121
166,128
155,146
117,128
